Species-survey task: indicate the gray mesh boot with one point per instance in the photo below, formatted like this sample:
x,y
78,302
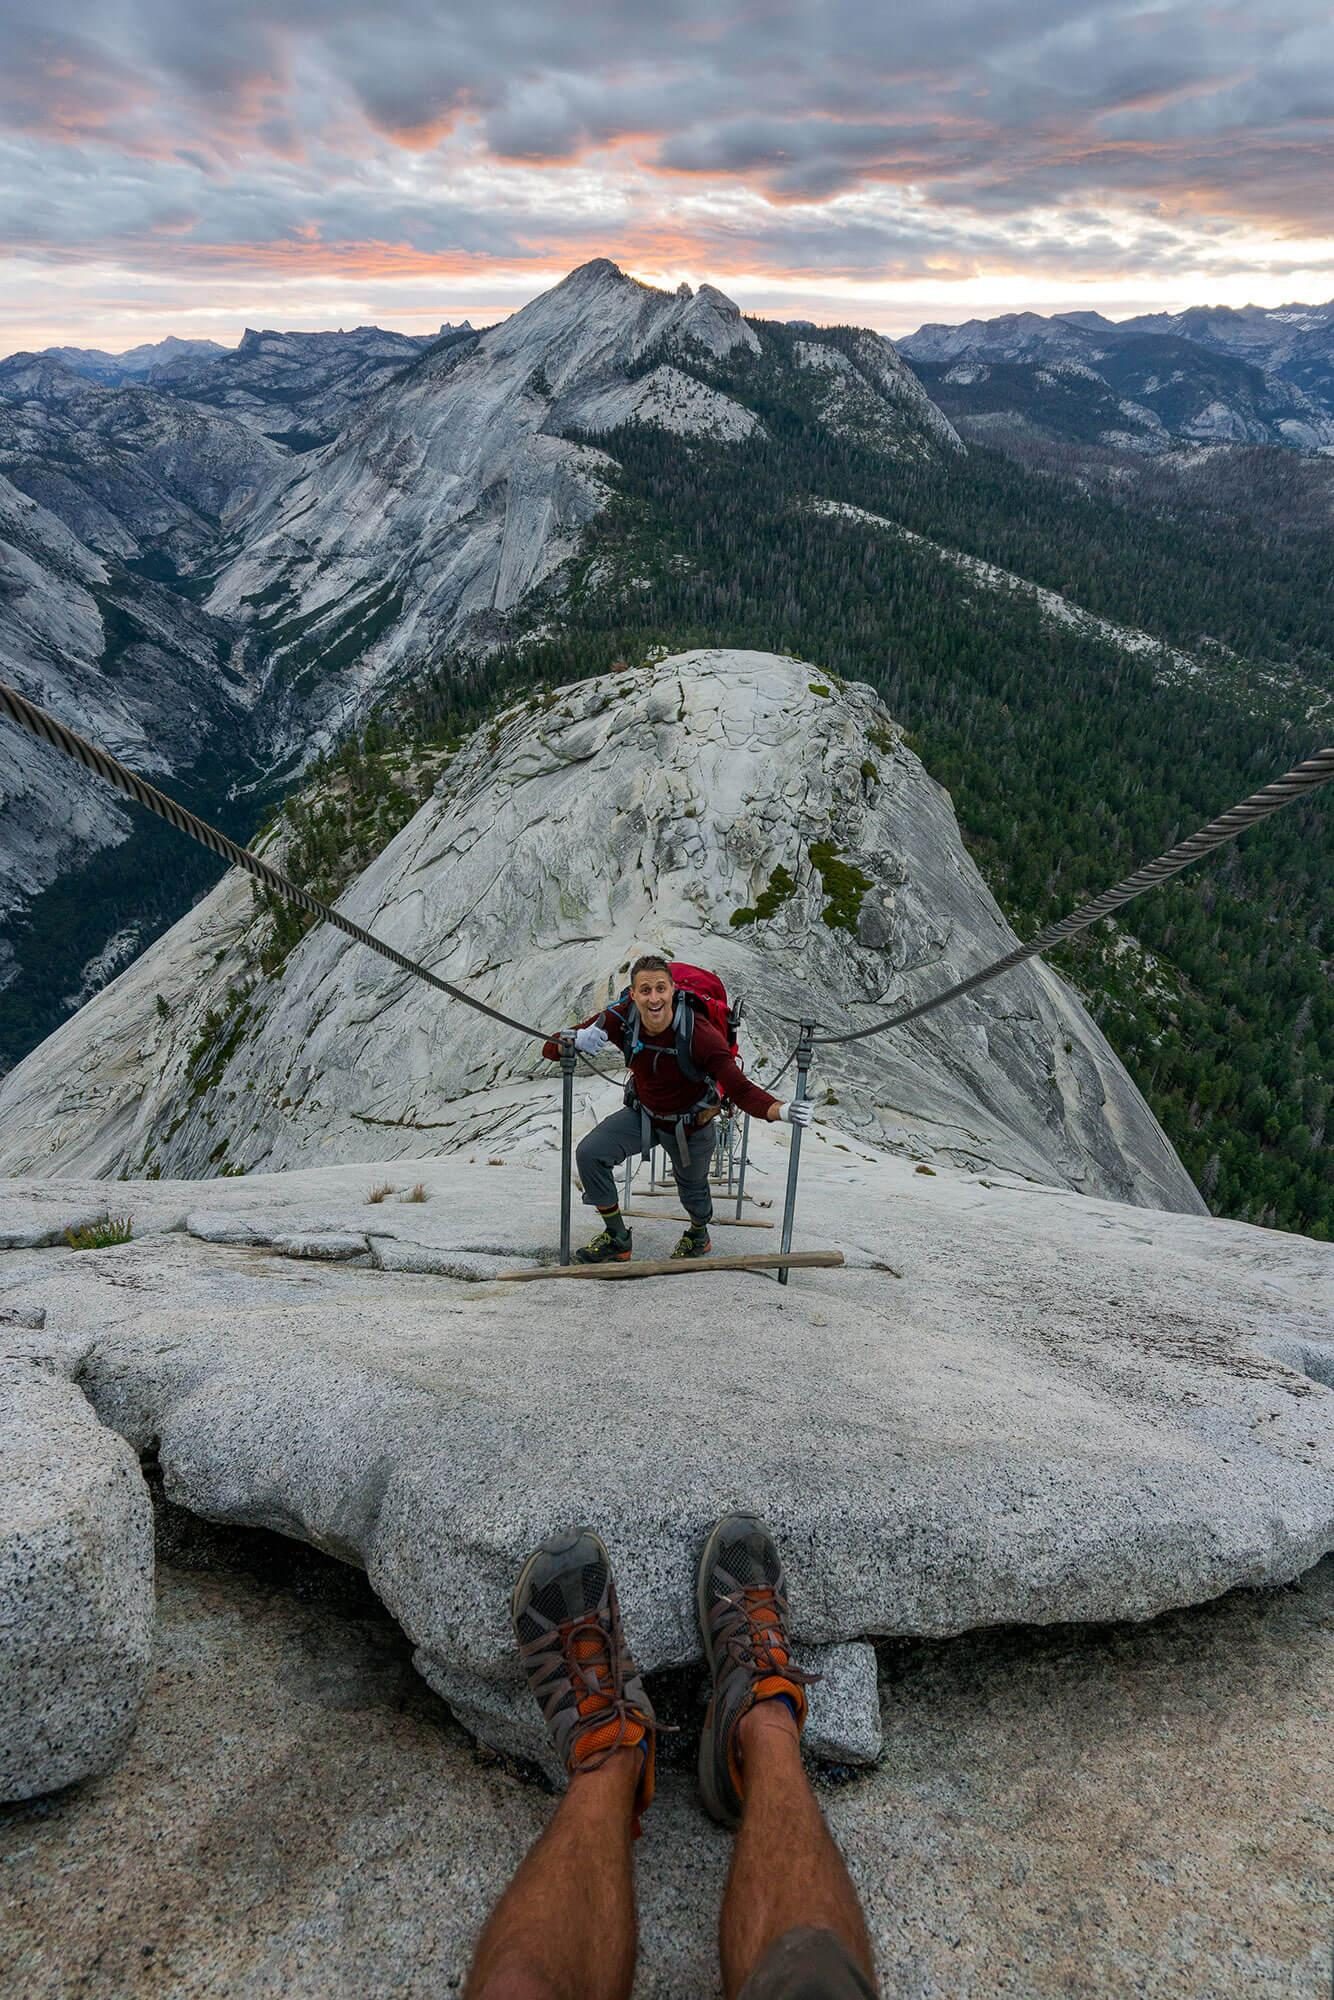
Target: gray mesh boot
x,y
568,1625
743,1619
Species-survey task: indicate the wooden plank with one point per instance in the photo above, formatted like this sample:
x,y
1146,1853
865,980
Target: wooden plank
x,y
719,1189
718,1222
676,1267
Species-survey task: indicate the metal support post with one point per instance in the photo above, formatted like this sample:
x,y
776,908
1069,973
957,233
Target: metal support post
x,y
652,1169
741,1173
805,1050
731,1151
629,1176
567,1063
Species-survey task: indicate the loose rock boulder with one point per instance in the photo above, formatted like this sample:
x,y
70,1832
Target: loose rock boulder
x,y
76,1586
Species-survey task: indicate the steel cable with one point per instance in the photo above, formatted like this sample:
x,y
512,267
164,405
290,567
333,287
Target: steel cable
x,y
1303,778
103,765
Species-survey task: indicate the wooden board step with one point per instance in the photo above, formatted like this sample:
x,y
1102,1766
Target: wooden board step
x,y
718,1188
679,1267
718,1222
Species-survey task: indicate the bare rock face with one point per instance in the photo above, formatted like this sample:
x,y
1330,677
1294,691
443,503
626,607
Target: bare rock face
x,y
76,1586
462,486
735,807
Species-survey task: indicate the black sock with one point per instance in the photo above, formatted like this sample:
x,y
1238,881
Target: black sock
x,y
613,1220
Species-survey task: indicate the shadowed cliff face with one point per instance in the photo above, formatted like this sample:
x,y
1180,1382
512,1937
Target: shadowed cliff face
x,y
733,806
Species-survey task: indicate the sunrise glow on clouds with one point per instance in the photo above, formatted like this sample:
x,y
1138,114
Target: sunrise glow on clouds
x,y
319,163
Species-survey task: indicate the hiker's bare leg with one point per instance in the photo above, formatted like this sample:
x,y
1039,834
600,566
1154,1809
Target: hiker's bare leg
x,y
565,1927
787,1874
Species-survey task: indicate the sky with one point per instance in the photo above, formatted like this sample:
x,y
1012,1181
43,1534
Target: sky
x,y
316,163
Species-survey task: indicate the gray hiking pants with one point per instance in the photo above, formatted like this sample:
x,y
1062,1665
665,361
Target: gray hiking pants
x,y
612,1142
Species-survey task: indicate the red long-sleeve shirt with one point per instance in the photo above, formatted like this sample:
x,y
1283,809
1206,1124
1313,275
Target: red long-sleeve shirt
x,y
664,1089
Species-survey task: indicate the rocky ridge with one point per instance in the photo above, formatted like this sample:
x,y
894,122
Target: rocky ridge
x,y
1144,385
455,497
297,388
133,363
761,820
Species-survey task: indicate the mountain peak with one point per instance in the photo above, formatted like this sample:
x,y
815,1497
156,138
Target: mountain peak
x,y
596,272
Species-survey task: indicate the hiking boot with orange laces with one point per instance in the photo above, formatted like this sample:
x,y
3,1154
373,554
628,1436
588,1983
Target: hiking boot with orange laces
x,y
743,1619
568,1625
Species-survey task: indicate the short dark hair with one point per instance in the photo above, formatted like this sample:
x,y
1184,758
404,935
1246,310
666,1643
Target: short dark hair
x,y
652,961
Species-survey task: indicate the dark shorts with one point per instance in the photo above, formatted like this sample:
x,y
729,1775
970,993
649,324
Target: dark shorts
x,y
807,1965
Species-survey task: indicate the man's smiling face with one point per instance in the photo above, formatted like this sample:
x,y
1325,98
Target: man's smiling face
x,y
654,994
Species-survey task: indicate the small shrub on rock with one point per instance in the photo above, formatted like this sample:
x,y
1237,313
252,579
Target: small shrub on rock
x,y
101,1235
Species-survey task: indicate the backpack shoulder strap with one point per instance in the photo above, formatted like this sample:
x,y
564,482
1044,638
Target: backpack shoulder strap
x,y
629,1018
685,1039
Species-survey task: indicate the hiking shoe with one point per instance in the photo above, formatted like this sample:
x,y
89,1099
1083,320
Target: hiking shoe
x,y
695,1243
568,1625
605,1249
743,1619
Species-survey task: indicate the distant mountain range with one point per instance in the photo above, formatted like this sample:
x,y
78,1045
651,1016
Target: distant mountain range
x,y
1211,375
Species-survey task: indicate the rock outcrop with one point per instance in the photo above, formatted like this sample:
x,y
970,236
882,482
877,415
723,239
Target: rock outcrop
x,y
753,816
1011,1406
76,1580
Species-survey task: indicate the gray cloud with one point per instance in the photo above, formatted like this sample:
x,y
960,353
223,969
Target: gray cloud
x,y
850,139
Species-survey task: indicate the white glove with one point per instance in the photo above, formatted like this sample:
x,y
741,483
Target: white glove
x,y
798,1111
592,1040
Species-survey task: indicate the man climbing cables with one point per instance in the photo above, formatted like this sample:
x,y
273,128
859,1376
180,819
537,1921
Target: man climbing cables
x,y
682,1070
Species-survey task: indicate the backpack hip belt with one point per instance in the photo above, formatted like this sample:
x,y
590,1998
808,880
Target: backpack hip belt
x,y
676,1129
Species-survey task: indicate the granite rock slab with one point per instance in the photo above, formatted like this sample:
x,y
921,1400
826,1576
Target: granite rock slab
x,y
1062,1410
625,810
76,1586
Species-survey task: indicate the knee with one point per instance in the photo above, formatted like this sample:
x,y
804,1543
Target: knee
x,y
511,1979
